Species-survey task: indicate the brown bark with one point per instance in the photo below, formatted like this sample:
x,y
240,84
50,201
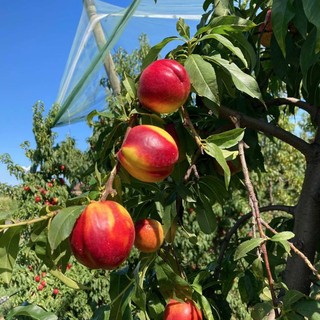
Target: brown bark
x,y
306,227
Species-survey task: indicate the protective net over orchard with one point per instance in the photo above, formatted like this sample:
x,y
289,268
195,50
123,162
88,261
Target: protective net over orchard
x,y
102,28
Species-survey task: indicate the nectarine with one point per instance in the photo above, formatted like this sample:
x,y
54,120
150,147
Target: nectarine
x,y
148,153
265,30
178,310
164,86
103,235
149,235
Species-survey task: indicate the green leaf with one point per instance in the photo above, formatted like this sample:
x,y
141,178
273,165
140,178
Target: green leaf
x,y
170,282
246,246
227,24
282,13
205,306
261,311
227,139
121,290
130,87
291,297
183,29
312,11
243,82
32,311
67,281
206,219
214,151
62,225
308,308
281,236
213,188
9,248
155,50
203,77
228,44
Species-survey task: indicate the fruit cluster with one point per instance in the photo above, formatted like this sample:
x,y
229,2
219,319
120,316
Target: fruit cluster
x,y
148,153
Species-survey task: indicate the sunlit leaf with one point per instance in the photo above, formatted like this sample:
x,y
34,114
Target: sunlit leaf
x,y
62,225
246,246
9,248
243,81
228,138
202,77
32,311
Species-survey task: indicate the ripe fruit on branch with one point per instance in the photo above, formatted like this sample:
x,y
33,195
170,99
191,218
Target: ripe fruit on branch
x,y
149,235
265,30
148,153
164,86
103,235
26,188
37,278
55,291
37,199
178,310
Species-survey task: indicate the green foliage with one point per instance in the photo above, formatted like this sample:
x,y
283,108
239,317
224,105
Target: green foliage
x,y
215,253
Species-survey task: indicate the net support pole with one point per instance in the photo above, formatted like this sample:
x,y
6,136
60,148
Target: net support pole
x,y
101,41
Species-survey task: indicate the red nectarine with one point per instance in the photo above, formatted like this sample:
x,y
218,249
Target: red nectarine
x,y
103,235
148,153
149,235
164,86
178,310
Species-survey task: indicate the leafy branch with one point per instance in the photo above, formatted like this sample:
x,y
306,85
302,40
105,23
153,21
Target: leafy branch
x,y
29,222
268,128
253,201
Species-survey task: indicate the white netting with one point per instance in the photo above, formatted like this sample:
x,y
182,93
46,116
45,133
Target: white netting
x,y
80,90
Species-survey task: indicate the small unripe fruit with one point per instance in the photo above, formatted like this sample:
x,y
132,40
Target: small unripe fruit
x,y
164,86
43,283
37,199
178,310
37,278
148,153
149,235
26,188
103,235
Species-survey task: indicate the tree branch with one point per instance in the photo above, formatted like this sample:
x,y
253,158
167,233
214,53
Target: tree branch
x,y
296,251
239,223
268,128
309,108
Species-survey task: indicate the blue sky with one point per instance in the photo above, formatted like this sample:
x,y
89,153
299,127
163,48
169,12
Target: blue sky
x,y
36,37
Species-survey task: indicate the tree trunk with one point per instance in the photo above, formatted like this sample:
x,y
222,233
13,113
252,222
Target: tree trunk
x,y
306,226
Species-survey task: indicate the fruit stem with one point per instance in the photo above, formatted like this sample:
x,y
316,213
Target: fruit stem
x,y
108,189
28,222
189,126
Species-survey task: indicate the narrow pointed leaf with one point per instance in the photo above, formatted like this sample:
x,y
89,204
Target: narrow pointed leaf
x,y
203,77
62,225
9,248
32,312
282,13
245,247
312,11
242,81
